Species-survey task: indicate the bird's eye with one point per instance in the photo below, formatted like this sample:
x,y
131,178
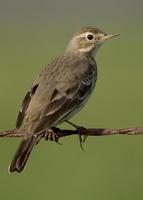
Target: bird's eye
x,y
90,37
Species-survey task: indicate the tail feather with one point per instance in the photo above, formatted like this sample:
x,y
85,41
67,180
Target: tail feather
x,y
21,156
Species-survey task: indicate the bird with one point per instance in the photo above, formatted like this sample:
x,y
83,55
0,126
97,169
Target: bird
x,y
61,90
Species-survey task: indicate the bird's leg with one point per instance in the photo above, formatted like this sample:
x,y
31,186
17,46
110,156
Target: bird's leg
x,y
74,125
81,139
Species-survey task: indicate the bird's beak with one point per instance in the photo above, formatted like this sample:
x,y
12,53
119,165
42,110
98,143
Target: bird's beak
x,y
106,37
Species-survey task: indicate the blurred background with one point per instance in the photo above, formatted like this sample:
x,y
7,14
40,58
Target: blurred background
x,y
32,33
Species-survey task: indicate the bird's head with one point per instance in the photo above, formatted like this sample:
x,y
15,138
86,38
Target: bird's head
x,y
88,40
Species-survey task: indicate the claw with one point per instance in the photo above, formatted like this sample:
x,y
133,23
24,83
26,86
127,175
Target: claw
x,y
82,138
81,142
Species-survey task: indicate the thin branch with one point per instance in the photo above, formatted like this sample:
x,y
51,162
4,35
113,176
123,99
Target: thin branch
x,y
56,133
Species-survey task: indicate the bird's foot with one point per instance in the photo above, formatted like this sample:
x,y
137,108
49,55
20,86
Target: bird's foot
x,y
82,138
52,135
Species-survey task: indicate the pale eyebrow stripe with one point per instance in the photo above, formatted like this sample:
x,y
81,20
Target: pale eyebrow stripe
x,y
84,34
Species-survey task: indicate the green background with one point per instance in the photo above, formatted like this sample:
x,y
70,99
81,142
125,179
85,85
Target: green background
x,y
32,33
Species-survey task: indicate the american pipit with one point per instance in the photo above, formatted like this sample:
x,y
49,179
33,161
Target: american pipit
x,y
60,90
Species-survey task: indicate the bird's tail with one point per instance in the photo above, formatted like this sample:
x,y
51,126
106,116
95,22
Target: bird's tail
x,y
22,154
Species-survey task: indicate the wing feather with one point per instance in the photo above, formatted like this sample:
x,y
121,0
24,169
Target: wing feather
x,y
25,105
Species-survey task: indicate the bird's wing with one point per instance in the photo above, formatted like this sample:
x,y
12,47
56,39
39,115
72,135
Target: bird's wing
x,y
64,103
25,105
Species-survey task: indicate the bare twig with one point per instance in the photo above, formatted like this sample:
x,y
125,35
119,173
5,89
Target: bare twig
x,y
87,132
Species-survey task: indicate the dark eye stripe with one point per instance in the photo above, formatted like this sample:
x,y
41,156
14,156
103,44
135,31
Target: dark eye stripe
x,y
98,38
